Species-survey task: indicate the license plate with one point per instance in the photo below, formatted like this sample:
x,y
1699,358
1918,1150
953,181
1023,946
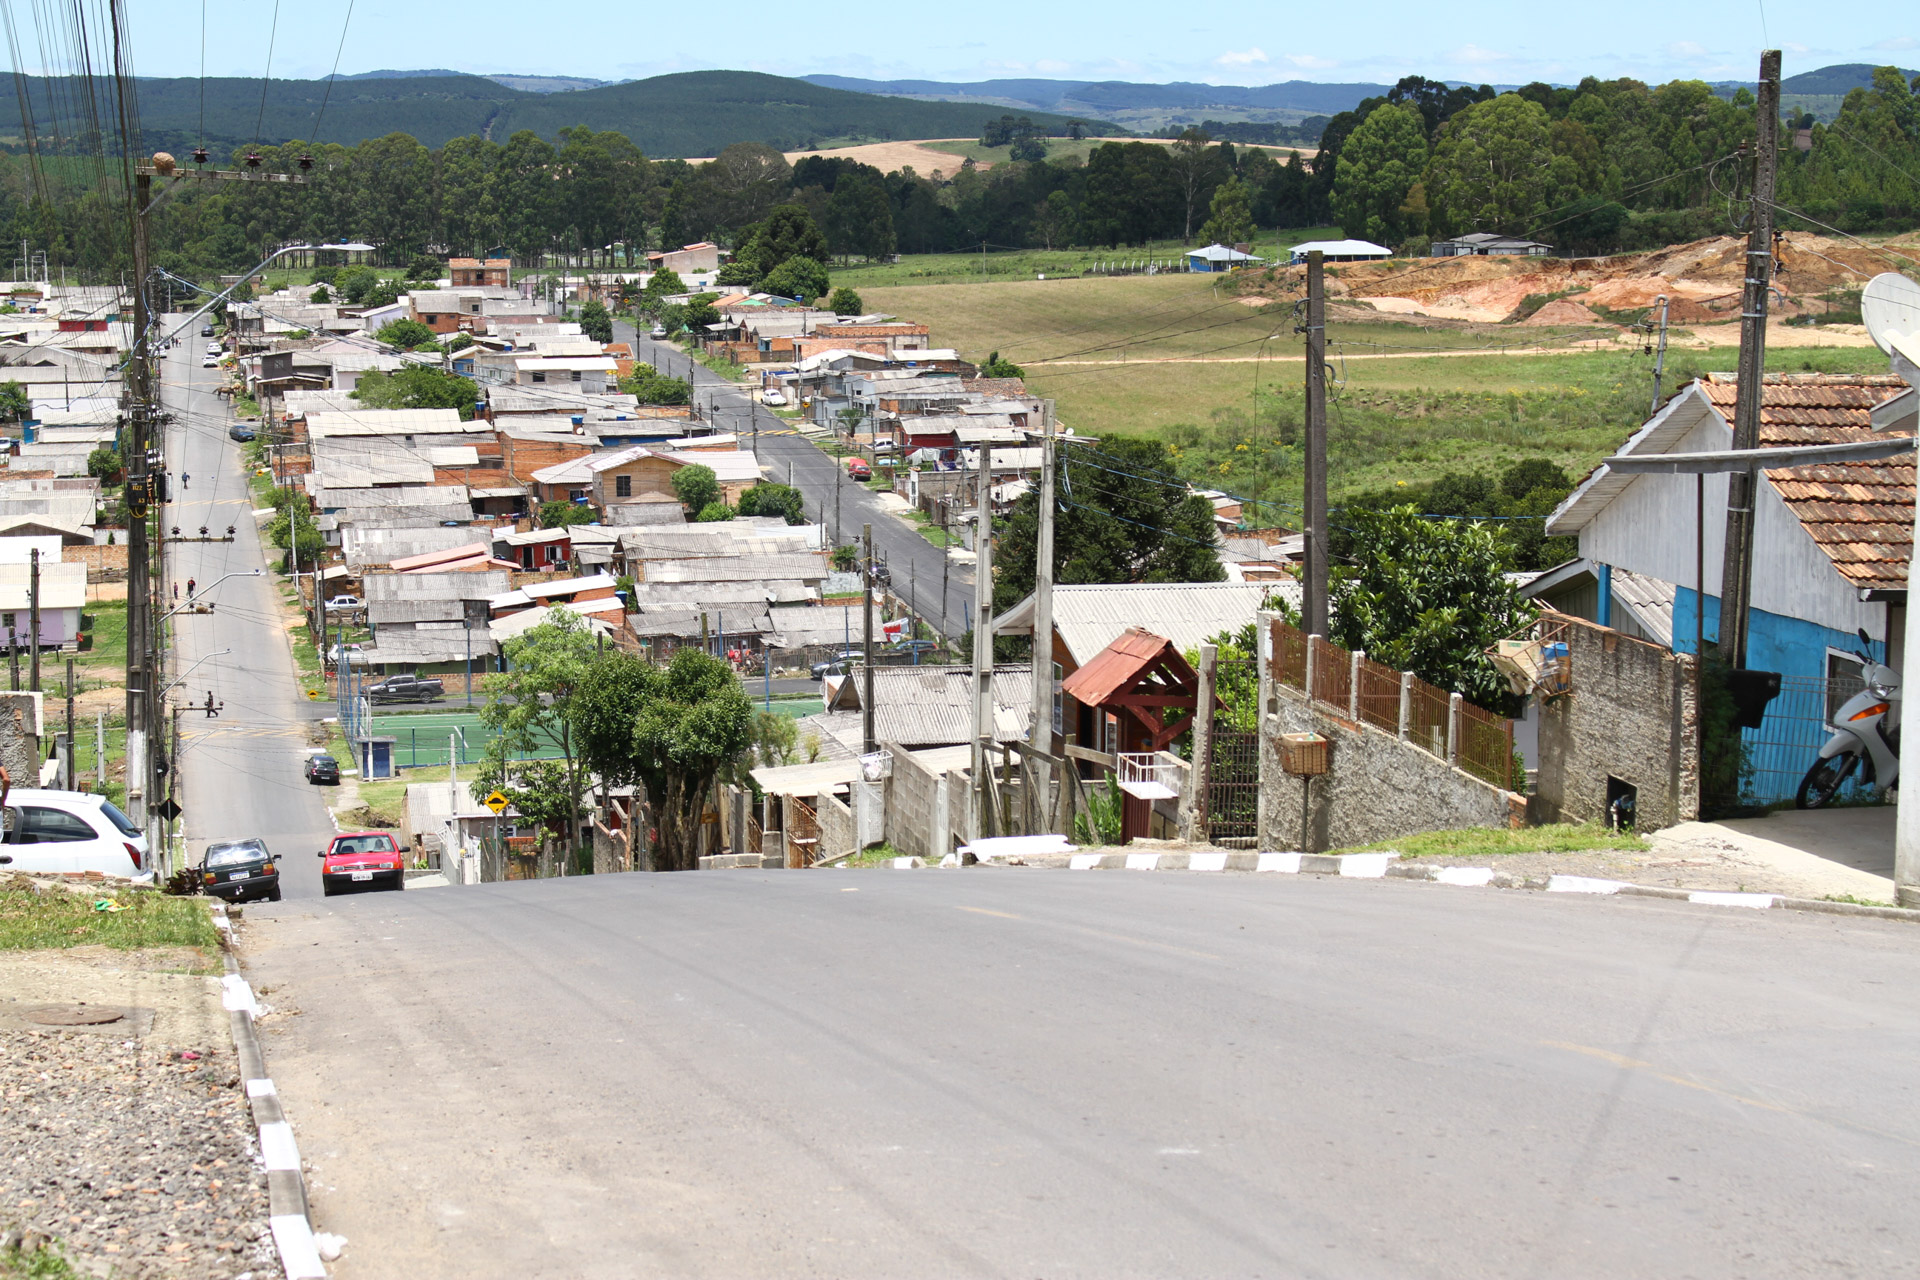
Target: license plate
x,y
236,875
363,875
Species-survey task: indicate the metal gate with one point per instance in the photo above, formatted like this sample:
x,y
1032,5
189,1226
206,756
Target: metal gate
x,y
1233,788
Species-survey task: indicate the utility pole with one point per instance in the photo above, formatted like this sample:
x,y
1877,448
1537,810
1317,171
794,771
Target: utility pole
x,y
140,491
866,643
33,615
66,761
1040,729
1736,578
1660,361
983,641
1315,595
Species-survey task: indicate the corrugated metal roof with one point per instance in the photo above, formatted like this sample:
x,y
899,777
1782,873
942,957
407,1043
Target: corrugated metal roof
x,y
810,568
1124,663
479,585
1089,618
1649,600
933,705
381,422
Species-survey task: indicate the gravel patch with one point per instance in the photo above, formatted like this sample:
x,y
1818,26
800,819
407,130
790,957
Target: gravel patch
x,y
139,1159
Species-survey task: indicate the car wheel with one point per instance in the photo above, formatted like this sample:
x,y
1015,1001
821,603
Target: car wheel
x,y
400,880
326,888
273,894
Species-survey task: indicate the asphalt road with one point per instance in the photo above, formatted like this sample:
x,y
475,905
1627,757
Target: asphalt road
x,y
917,565
1049,1074
240,772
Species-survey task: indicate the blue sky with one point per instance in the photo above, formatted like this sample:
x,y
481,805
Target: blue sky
x,y
1120,40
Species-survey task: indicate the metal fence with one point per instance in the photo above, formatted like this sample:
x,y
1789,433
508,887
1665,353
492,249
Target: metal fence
x,y
1486,745
1379,695
1779,753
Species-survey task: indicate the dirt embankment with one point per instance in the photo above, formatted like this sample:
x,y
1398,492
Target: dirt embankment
x,y
1701,282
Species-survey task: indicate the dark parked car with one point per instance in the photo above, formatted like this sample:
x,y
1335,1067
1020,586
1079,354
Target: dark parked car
x,y
206,331
240,432
837,665
323,770
240,869
406,689
914,650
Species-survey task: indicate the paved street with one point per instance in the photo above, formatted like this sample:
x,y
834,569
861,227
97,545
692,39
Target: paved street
x,y
1027,1073
916,564
241,772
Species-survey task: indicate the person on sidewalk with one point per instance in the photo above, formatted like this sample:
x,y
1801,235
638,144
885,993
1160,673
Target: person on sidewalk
x,y
212,711
189,588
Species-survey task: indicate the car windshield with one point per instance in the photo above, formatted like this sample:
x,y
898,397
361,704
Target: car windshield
x,y
121,821
226,855
363,844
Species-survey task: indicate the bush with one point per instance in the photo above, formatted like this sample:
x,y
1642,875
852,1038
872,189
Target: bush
x,y
714,512
558,515
797,278
768,499
424,267
650,386
406,335
845,302
697,488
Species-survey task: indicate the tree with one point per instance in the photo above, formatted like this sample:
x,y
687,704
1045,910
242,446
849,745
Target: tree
x,y
1129,519
669,730
103,464
768,499
1379,165
1427,596
424,267
713,513
1493,168
649,386
354,283
788,232
15,403
1193,166
662,284
697,488
292,528
418,386
797,278
1230,219
558,515
527,711
700,311
320,295
594,320
999,367
406,335
1053,218
845,302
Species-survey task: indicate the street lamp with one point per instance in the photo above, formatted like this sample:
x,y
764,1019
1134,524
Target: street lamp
x,y
214,300
190,670
237,573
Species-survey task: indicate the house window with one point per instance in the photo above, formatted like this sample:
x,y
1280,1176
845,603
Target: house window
x,y
1845,677
553,549
539,377
623,486
6,620
576,375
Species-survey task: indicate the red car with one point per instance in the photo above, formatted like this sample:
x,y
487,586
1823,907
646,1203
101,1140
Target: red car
x,y
857,469
362,857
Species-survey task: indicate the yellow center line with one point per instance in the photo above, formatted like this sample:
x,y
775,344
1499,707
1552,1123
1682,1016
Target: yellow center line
x,y
1634,1064
1101,933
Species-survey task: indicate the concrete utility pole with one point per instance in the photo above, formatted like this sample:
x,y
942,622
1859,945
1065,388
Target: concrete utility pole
x,y
1315,594
1660,359
33,616
983,640
866,643
1040,731
140,488
1736,578
67,757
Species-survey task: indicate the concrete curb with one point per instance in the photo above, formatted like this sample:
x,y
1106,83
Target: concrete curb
x,y
287,1213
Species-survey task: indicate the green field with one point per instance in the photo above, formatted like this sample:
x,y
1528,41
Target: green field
x,y
1028,264
422,738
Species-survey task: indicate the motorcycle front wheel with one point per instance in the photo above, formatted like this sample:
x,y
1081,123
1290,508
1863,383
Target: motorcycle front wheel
x,y
1824,781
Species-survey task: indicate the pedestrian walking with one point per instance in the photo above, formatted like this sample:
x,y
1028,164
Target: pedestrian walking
x,y
176,593
211,712
189,588
186,480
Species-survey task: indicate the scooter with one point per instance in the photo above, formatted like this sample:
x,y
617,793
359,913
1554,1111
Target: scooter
x,y
1860,739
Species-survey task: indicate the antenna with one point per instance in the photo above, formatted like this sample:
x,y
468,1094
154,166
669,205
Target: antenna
x,y
1890,306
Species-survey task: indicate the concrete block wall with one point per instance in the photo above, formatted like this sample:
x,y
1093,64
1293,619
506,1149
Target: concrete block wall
x,y
20,728
1378,788
837,832
912,793
1633,714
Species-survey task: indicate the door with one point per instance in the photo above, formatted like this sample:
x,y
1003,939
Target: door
x,y
42,838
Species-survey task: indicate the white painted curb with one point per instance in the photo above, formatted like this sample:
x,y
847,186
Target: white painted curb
x,y
1286,863
1761,901
1471,877
1365,866
1207,862
1582,884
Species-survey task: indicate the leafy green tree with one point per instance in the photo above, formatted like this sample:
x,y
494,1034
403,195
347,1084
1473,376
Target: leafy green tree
x,y
418,386
292,528
1230,218
1128,519
788,232
1054,219
104,464
845,302
354,283
668,730
320,295
700,311
406,335
649,386
1427,596
383,294
859,220
664,283
558,515
797,278
768,499
1378,167
738,274
697,488
998,366
527,710
1195,167
424,267
1493,167
714,512
595,322
15,403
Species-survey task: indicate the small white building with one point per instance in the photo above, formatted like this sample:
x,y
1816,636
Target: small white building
x,y
1339,251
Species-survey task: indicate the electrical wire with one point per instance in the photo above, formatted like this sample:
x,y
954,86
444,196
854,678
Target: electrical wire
x,y
332,76
273,33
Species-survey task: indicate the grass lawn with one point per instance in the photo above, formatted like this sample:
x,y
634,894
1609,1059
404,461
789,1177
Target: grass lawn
x,y
1026,265
32,920
105,663
1487,842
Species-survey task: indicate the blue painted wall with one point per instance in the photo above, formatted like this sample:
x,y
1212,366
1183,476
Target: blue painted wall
x,y
1791,646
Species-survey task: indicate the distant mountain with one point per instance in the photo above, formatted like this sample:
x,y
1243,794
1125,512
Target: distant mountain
x,y
691,114
549,84
397,75
1136,105
1819,92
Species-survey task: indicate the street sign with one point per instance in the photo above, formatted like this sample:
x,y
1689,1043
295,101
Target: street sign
x,y
167,809
497,803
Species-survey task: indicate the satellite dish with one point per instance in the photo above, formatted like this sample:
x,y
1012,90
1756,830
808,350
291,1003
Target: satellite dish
x,y
1890,306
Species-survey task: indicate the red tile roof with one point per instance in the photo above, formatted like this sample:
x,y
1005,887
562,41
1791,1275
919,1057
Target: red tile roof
x,y
1859,513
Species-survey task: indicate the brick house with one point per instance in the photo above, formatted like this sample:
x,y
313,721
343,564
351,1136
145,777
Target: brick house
x,y
497,272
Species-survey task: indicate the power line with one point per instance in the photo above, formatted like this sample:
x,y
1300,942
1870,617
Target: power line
x,y
273,33
325,96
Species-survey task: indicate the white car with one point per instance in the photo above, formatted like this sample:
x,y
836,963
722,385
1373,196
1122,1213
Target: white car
x,y
773,396
209,362
356,656
213,348
343,603
658,332
62,831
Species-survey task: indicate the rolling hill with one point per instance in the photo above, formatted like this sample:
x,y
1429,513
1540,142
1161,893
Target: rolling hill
x,y
690,114
1135,105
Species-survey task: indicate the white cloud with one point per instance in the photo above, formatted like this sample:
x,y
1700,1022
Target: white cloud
x,y
1310,62
1474,55
1898,43
1243,58
1685,49
1052,66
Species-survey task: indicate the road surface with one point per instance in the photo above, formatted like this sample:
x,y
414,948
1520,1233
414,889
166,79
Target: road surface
x,y
1029,1073
917,565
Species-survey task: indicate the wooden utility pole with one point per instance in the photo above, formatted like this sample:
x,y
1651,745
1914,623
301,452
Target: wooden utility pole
x,y
33,616
140,488
1315,577
866,643
1040,730
1736,577
983,642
